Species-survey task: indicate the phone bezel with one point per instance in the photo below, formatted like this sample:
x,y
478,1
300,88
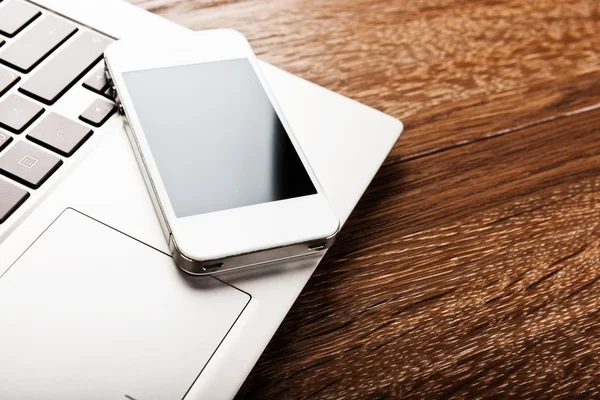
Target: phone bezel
x,y
231,232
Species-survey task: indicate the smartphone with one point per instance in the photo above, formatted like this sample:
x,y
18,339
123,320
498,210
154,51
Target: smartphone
x,y
227,177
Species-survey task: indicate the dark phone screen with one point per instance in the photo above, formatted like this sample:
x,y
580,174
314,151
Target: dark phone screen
x,y
215,137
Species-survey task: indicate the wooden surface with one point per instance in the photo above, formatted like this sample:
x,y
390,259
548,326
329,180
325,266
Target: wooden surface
x,y
471,267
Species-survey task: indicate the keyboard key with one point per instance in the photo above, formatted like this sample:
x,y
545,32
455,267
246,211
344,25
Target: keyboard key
x,y
15,15
66,68
7,80
31,48
17,113
97,81
11,197
60,134
109,92
4,140
98,113
28,164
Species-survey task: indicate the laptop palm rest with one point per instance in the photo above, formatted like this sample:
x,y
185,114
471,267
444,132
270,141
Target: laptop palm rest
x,y
108,317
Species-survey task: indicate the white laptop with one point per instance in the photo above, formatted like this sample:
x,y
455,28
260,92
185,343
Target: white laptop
x,y
91,305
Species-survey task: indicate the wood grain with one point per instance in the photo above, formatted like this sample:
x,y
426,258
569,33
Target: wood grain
x,y
427,295
405,56
471,267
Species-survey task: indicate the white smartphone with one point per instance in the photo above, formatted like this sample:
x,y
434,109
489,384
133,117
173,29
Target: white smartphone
x,y
228,179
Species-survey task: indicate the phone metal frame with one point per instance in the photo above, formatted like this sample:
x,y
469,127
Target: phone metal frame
x,y
270,231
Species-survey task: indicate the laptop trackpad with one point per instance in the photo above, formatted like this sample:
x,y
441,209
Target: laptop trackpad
x,y
88,312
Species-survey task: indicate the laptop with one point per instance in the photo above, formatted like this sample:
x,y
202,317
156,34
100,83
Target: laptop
x,y
91,304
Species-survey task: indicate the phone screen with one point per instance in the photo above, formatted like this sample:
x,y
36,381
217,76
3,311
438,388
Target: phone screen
x,y
215,137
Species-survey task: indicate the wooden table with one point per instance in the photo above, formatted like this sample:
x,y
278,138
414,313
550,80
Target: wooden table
x,y
471,267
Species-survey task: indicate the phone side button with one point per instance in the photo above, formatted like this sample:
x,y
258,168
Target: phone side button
x,y
317,247
212,268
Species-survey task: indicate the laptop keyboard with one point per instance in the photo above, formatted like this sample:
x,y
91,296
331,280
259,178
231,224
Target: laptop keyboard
x,y
42,57
15,16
